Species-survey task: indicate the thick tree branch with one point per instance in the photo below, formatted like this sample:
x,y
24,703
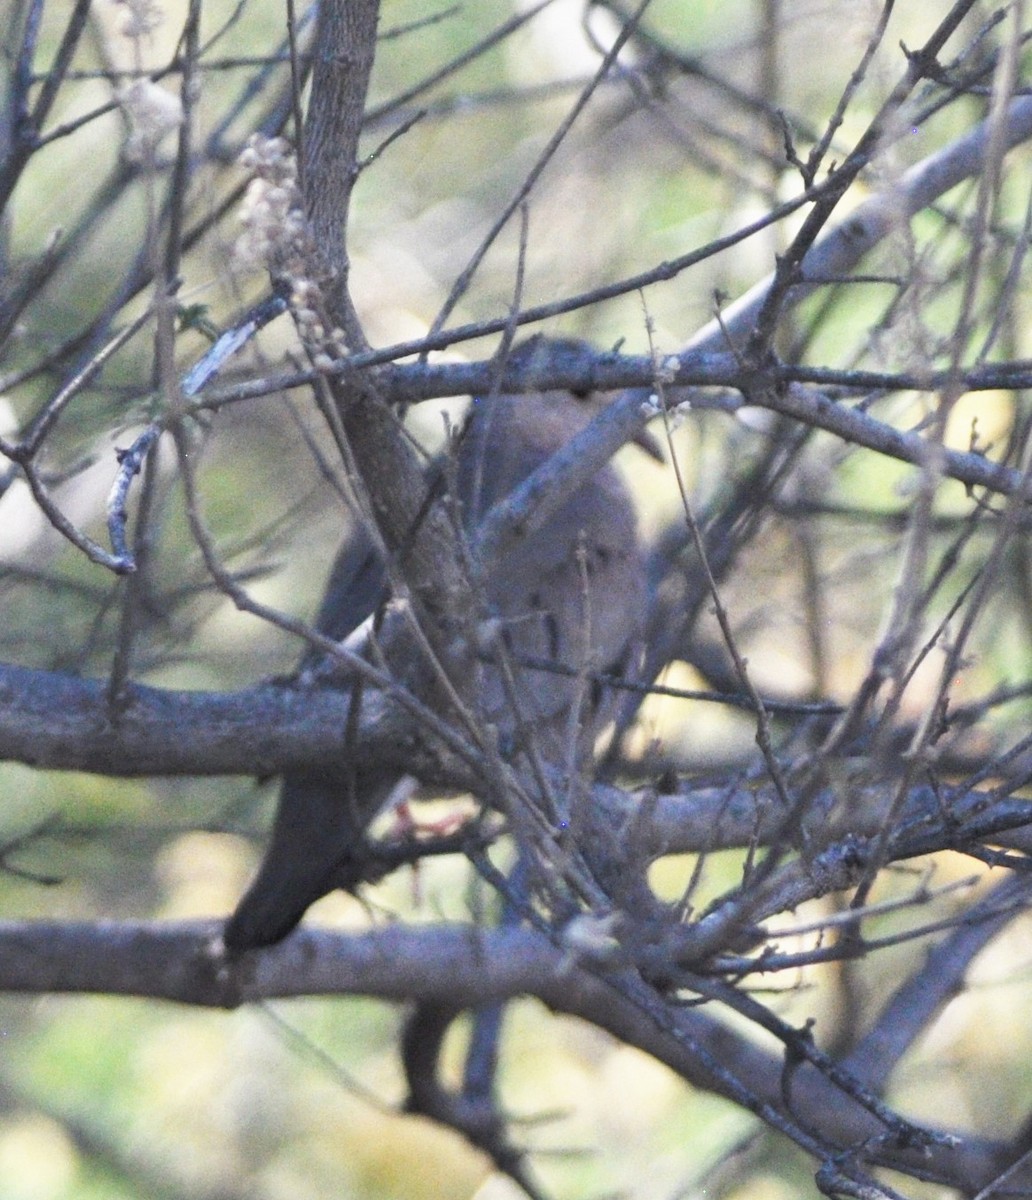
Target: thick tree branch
x,y
462,966
61,722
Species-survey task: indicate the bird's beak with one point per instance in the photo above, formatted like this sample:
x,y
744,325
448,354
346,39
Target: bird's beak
x,y
651,444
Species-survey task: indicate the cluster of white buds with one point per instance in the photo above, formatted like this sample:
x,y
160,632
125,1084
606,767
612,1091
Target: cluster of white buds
x,y
666,371
326,346
153,114
276,238
274,235
665,374
142,17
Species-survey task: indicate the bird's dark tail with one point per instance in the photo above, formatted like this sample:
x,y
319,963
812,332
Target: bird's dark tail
x,y
310,836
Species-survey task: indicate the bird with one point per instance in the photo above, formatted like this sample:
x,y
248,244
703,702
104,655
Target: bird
x,y
572,592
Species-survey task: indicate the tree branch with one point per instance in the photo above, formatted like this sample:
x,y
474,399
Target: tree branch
x,y
465,967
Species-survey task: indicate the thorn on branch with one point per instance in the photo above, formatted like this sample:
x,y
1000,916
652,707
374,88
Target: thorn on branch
x,y
806,170
927,64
